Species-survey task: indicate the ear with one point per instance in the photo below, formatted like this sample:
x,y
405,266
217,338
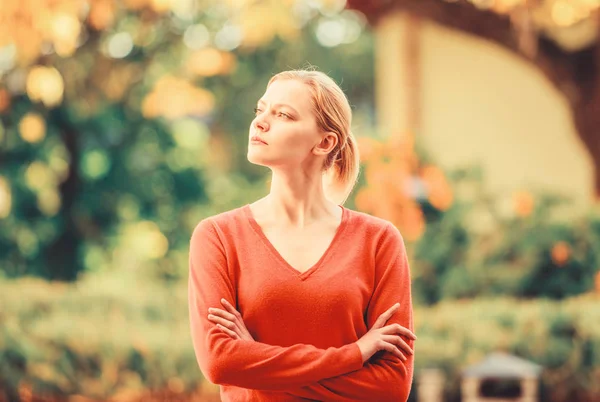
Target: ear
x,y
326,145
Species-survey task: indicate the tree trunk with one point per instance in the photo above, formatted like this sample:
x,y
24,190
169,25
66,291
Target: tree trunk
x,y
62,262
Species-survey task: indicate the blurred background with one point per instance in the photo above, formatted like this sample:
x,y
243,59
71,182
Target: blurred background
x,y
124,122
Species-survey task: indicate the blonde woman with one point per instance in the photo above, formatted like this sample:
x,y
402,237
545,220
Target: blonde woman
x,y
295,297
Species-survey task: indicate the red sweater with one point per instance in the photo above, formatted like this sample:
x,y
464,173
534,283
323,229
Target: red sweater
x,y
305,325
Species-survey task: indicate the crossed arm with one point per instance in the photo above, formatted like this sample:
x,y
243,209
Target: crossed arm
x,y
359,385
333,374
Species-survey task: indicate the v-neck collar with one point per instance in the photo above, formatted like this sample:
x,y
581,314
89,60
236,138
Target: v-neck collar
x,y
302,275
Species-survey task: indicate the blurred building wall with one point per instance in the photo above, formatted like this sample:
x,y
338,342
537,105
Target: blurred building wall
x,y
479,103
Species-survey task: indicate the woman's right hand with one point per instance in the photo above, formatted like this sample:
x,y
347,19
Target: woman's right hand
x,y
385,338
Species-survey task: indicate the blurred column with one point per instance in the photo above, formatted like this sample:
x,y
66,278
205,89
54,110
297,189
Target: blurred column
x,y
522,21
470,389
596,17
397,74
529,389
431,386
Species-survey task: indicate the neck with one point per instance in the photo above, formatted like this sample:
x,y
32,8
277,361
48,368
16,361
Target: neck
x,y
299,200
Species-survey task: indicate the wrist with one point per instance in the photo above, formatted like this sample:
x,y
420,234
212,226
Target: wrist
x,y
364,354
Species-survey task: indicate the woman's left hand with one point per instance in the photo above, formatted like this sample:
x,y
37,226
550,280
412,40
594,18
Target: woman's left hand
x,y
229,321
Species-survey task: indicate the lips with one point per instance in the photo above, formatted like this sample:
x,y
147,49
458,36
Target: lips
x,y
257,138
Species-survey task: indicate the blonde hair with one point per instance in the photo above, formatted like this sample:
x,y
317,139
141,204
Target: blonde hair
x,y
333,114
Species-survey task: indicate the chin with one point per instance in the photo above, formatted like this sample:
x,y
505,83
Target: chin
x,y
256,159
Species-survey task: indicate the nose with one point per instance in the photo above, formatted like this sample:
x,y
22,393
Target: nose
x,y
261,124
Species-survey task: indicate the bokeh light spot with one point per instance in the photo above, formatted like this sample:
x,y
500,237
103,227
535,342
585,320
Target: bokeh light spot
x,y
32,127
196,36
39,176
189,133
95,164
331,33
46,85
48,201
120,45
5,198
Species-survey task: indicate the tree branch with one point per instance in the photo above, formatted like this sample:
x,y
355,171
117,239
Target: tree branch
x,y
576,75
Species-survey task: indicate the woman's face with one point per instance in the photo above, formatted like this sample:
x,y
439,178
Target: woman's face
x,y
285,121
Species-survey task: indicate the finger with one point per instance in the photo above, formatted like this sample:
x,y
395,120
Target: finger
x,y
223,322
228,331
229,307
399,342
222,313
385,316
398,329
405,331
390,347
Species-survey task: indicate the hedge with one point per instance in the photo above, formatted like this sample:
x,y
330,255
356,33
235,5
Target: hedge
x,y
116,336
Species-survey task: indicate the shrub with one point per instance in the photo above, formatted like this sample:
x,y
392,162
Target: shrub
x,y
563,337
114,334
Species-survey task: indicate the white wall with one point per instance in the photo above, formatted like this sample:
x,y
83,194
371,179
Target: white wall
x,y
481,103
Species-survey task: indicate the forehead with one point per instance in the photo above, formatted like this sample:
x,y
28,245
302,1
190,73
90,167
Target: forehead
x,y
291,92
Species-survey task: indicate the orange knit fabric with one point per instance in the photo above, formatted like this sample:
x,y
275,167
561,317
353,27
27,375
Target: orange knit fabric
x,y
304,325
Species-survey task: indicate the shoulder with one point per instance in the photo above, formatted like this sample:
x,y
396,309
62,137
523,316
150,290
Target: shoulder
x,y
380,235
373,225
218,224
384,240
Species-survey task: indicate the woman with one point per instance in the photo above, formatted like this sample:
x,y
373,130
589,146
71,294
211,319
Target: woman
x,y
292,297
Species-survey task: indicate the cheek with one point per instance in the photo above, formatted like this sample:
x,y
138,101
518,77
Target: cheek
x,y
298,133
298,142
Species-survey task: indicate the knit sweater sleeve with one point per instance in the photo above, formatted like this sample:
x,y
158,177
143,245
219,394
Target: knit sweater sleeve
x,y
384,377
248,364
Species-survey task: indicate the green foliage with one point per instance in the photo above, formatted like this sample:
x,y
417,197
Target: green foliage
x,y
115,333
483,245
109,167
563,337
104,335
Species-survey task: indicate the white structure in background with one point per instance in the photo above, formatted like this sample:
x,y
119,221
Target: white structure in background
x,y
501,366
470,102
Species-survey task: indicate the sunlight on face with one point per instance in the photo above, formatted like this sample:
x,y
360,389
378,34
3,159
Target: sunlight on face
x,y
285,120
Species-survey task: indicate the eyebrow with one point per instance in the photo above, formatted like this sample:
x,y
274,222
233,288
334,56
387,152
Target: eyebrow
x,y
280,105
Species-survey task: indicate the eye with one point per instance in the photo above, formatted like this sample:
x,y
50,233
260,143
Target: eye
x,y
257,111
287,116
